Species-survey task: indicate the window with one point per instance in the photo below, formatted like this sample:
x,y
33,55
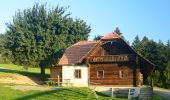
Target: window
x,y
77,73
100,74
123,74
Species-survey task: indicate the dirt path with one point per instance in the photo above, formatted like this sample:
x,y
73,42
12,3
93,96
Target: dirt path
x,y
21,82
29,87
17,78
163,92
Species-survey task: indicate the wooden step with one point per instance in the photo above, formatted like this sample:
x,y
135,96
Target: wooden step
x,y
145,93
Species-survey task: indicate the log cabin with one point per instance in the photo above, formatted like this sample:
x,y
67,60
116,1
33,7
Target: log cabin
x,y
107,62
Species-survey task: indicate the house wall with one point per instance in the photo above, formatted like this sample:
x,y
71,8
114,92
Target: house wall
x,y
68,73
55,72
112,75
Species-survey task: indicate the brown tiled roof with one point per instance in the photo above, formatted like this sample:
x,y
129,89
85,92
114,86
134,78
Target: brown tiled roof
x,y
111,35
76,52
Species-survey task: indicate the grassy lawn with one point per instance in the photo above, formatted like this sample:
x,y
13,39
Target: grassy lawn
x,y
12,71
57,94
21,68
158,97
8,93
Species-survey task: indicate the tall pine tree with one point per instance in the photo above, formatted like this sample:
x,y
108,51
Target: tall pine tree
x,y
137,45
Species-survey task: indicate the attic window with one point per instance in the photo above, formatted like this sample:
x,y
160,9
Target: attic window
x,y
77,73
100,74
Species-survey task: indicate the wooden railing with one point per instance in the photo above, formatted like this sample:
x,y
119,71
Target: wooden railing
x,y
59,82
112,58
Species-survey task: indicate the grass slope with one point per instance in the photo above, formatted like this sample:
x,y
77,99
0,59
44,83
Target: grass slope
x,y
57,94
21,68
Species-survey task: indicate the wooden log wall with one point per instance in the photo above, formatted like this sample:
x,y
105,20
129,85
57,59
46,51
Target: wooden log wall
x,y
112,74
55,71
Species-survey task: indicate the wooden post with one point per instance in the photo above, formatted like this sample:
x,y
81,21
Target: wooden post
x,y
112,93
135,72
58,80
88,65
151,80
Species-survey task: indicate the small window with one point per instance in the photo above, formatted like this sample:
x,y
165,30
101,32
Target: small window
x,y
123,74
77,73
100,74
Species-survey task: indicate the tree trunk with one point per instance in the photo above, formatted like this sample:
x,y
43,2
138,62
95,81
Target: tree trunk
x,y
42,71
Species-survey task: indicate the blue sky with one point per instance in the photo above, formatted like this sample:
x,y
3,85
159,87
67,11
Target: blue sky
x,y
149,18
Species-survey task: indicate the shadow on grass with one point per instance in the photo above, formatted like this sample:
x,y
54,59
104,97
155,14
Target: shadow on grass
x,y
77,92
40,94
86,93
31,75
101,94
60,94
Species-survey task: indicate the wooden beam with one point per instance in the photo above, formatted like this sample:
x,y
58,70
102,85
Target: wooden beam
x,y
135,72
88,65
112,58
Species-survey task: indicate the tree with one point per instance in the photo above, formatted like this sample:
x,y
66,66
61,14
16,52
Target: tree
x,y
167,51
1,46
149,50
98,37
117,30
167,75
38,35
5,55
161,49
137,44
1,42
159,54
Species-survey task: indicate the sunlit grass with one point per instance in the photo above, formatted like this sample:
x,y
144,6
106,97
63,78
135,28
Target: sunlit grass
x,y
56,94
21,68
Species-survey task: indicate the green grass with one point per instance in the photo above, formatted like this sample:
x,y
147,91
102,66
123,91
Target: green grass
x,y
12,70
8,93
57,94
158,97
21,68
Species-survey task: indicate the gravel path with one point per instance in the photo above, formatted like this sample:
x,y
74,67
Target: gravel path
x,y
162,92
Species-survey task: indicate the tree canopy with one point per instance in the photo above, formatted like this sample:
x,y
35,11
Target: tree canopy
x,y
97,37
117,30
159,54
37,36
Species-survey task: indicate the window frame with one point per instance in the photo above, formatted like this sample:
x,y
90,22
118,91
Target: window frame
x,y
123,73
77,74
98,73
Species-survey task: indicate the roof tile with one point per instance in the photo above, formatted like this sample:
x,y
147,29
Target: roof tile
x,y
112,35
76,52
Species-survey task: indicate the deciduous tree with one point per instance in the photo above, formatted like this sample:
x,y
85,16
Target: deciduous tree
x,y
37,36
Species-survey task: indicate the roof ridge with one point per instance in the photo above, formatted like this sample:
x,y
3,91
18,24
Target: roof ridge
x,y
111,35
